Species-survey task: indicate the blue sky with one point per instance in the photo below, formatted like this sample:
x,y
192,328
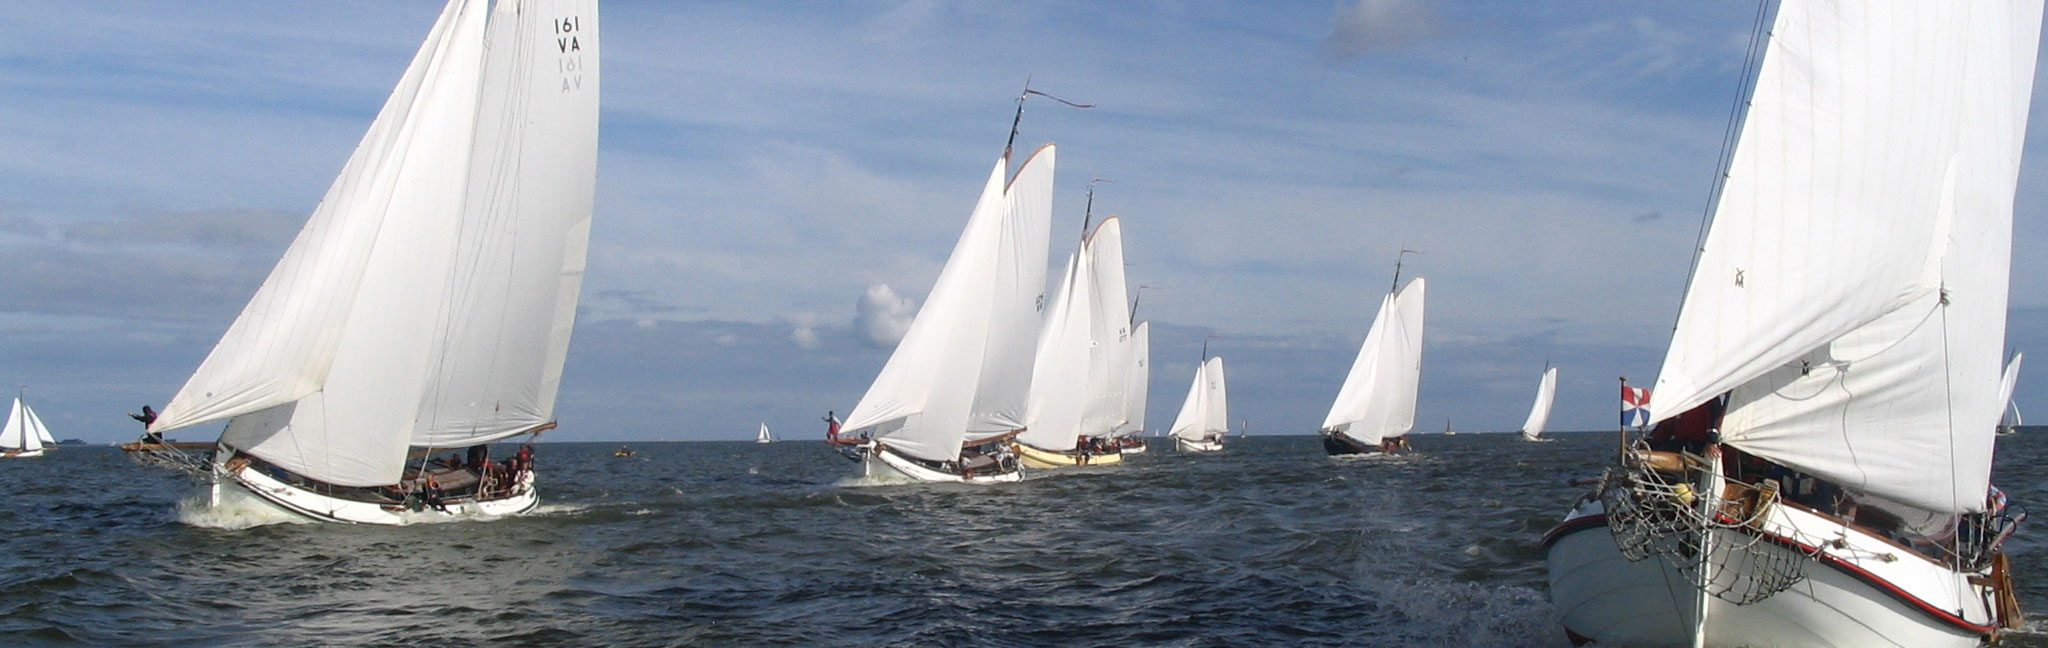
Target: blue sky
x,y
764,167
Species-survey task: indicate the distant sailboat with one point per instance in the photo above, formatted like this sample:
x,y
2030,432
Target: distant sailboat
x,y
1204,418
427,303
1819,468
1375,408
2009,416
763,436
1539,413
951,398
25,435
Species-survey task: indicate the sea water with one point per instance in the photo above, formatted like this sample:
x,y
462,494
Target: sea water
x,y
1268,543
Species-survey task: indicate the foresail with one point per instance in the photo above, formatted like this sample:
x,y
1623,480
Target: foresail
x,y
282,345
526,224
920,402
35,423
1059,374
1189,423
1905,406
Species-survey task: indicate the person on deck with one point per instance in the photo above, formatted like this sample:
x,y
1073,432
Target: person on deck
x,y
831,427
147,417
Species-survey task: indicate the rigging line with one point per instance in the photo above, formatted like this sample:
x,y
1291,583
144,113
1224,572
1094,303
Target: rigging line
x,y
1759,37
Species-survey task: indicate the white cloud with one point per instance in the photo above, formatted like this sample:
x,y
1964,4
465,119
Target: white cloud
x,y
1368,25
805,331
884,316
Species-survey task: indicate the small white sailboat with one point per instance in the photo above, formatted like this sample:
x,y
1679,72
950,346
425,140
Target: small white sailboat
x,y
1539,413
25,435
1375,408
427,303
1204,418
952,396
763,436
1819,470
2009,415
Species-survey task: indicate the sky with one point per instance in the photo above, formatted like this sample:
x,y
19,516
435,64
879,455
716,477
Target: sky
x,y
779,183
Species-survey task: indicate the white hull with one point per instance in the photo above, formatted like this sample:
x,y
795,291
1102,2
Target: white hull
x,y
305,503
881,464
22,454
1864,593
1192,445
1135,449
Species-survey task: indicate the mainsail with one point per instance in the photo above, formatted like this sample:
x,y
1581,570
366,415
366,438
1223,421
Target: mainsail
x,y
1377,400
429,297
1850,296
1539,413
964,367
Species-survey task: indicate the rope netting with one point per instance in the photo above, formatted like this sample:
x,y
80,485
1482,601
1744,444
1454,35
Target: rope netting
x,y
1658,513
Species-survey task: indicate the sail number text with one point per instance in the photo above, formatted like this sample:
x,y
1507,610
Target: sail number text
x,y
570,52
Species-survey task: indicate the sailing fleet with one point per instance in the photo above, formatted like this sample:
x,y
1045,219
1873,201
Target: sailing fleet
x,y
1815,468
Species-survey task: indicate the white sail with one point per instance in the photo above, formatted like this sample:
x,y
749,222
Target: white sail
x,y
1138,380
21,431
1109,317
1078,379
1059,377
35,422
1850,297
1206,411
1539,413
519,264
1003,390
763,436
1377,400
931,388
2006,383
349,352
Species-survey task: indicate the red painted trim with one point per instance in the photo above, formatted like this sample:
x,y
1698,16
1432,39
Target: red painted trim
x,y
1576,525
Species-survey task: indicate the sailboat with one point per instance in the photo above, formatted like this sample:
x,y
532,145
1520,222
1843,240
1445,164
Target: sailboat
x,y
2009,411
1375,408
1083,362
1131,435
1818,473
951,399
763,436
25,435
426,305
1204,418
1539,413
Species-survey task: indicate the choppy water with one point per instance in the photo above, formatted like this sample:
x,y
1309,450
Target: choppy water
x,y
724,544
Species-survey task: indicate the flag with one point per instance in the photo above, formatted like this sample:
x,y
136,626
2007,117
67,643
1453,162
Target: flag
x,y
1635,406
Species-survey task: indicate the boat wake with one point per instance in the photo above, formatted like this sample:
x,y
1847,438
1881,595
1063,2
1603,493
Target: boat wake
x,y
235,510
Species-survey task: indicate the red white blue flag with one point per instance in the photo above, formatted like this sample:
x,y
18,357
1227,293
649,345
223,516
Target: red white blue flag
x,y
1635,406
